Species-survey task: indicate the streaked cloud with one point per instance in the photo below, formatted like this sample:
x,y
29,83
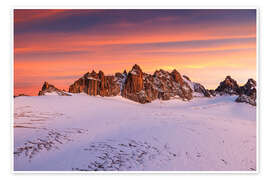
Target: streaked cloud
x,y
60,45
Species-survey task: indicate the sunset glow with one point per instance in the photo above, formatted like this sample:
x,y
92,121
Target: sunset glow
x,y
59,46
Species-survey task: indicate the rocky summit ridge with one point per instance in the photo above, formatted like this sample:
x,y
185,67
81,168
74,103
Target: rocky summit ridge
x,y
135,85
246,93
49,88
143,87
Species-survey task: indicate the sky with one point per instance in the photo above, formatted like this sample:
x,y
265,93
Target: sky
x,y
60,45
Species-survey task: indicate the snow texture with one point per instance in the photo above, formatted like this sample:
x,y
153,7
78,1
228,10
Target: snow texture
x,y
86,133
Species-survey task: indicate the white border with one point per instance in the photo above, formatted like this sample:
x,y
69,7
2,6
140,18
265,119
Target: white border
x,y
258,86
12,88
140,172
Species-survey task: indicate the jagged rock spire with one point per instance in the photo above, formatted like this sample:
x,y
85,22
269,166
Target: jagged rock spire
x,y
49,88
228,86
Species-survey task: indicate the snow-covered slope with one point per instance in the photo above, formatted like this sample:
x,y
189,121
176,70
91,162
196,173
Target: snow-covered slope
x,y
81,132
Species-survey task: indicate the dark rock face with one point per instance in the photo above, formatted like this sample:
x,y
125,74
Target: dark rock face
x,y
134,85
249,88
142,87
170,85
228,86
177,77
247,99
212,92
96,84
248,92
20,95
186,77
134,81
197,87
186,91
48,88
200,89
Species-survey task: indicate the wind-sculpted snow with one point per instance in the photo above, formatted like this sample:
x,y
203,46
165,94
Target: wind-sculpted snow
x,y
49,142
86,133
48,138
111,155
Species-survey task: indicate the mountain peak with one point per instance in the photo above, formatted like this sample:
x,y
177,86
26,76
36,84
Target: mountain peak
x,y
101,73
143,87
186,77
49,88
251,81
228,86
136,67
136,70
177,76
228,77
174,71
46,85
93,73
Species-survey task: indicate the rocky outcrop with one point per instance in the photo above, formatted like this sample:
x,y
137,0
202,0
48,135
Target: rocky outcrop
x,y
200,89
186,77
134,85
246,99
144,88
96,84
133,88
248,92
166,85
212,92
134,81
228,86
49,88
20,95
186,91
249,88
197,88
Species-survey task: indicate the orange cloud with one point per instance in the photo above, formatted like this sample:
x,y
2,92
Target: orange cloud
x,y
27,15
62,57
